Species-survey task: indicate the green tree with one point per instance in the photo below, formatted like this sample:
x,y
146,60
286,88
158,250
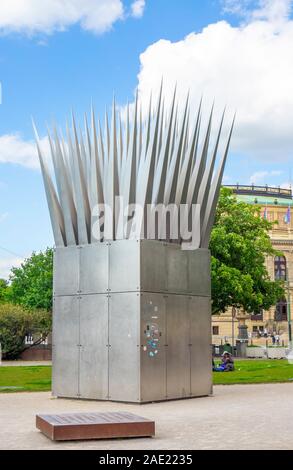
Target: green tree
x,y
239,246
16,322
3,289
32,283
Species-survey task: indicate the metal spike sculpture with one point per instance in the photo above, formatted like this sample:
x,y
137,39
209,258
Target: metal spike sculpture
x,y
131,309
158,161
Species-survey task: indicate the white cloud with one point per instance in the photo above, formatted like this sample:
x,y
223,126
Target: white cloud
x,y
236,7
3,217
261,177
137,8
15,150
272,10
6,264
46,16
248,68
258,177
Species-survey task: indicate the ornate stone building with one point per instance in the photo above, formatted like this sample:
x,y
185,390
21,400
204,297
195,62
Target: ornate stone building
x,y
275,204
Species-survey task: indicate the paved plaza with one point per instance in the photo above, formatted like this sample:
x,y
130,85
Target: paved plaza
x,y
236,417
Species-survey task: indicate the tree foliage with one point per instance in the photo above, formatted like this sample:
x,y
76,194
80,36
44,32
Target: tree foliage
x,y
239,246
3,290
32,283
16,322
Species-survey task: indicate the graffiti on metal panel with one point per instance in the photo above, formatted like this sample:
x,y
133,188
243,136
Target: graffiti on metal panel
x,y
152,334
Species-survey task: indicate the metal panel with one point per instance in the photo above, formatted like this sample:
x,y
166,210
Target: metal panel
x,y
177,269
94,268
124,346
200,336
65,346
124,275
66,271
153,351
134,364
153,266
199,272
93,379
178,349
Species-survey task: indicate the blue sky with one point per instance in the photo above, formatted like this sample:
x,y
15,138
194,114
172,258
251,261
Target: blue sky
x,y
44,73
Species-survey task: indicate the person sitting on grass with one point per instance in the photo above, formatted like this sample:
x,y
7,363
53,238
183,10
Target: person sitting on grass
x,y
227,363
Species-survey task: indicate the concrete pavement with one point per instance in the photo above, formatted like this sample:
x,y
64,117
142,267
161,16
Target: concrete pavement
x,y
236,417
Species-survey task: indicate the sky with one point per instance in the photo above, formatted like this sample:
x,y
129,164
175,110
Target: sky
x,y
59,55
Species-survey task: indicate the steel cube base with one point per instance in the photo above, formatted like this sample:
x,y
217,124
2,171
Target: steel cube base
x,y
131,322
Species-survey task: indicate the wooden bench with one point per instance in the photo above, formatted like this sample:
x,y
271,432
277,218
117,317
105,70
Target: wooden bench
x,y
82,426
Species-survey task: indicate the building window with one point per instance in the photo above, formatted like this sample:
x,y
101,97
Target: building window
x,y
281,313
257,331
280,268
215,330
29,339
257,316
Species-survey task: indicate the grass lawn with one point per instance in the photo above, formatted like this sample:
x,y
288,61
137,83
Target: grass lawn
x,y
38,378
254,371
25,379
